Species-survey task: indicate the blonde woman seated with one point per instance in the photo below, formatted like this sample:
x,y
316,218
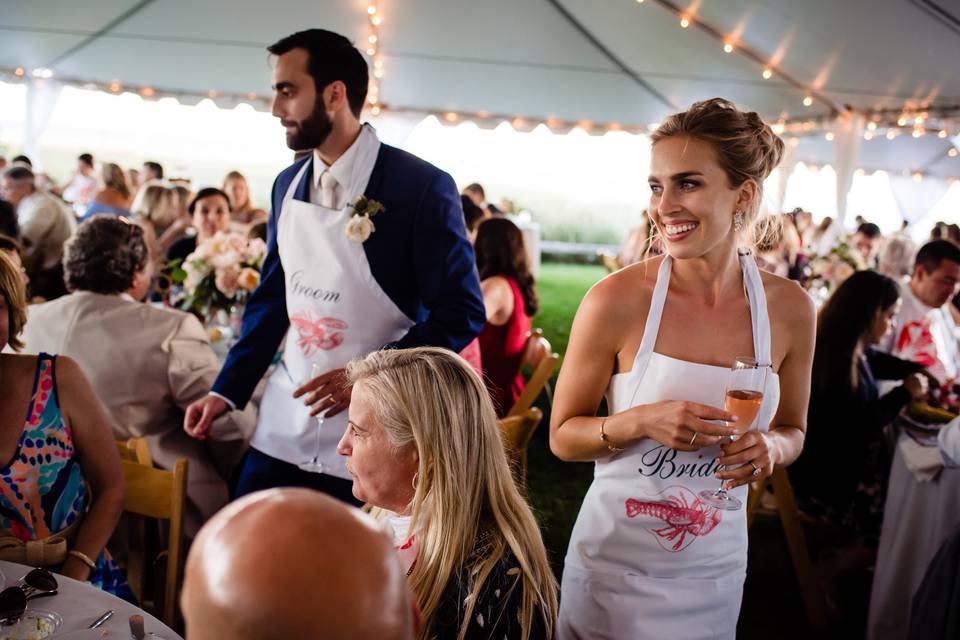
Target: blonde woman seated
x,y
424,449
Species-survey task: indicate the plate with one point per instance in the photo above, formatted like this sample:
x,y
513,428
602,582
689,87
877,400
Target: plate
x,y
33,625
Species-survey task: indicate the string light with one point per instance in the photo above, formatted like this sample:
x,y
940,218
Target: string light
x,y
891,134
728,48
829,136
148,92
767,74
917,176
942,133
19,72
872,126
684,22
807,101
868,135
373,41
901,121
952,153
42,72
917,133
115,87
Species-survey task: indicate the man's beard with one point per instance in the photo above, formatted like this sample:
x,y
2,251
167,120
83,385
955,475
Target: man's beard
x,y
312,132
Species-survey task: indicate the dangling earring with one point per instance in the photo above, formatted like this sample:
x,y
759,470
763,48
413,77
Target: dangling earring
x,y
738,221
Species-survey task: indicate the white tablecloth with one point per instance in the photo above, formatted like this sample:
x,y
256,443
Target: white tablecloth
x,y
918,518
80,603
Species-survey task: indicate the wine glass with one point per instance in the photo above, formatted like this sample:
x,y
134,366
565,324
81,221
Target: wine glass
x,y
314,465
742,398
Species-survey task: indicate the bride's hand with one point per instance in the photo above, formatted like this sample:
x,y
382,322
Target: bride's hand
x,y
752,451
682,425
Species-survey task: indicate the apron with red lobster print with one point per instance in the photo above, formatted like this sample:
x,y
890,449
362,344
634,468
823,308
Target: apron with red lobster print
x,y
648,558
337,312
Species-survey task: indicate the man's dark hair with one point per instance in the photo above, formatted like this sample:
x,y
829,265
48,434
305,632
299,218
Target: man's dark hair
x,y
331,57
933,253
23,160
206,192
472,214
104,255
870,230
477,189
9,244
19,173
9,225
86,159
156,167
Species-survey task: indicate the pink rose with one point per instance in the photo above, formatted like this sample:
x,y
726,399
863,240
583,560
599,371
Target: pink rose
x,y
226,281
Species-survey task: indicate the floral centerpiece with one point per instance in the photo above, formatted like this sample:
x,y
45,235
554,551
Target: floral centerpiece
x,y
829,271
219,274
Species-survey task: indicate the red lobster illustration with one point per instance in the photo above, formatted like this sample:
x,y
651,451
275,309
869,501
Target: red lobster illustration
x,y
685,520
320,333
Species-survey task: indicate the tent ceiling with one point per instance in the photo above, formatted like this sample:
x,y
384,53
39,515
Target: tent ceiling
x,y
533,58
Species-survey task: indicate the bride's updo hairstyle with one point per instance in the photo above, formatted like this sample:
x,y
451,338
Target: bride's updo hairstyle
x,y
746,147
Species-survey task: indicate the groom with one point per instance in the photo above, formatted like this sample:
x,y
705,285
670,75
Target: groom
x,y
344,275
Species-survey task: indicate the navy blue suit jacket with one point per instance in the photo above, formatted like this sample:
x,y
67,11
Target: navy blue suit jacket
x,y
419,254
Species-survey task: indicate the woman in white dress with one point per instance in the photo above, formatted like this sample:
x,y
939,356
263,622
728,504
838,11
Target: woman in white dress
x,y
649,557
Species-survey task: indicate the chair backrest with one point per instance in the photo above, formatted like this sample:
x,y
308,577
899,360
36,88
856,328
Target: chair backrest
x,y
540,356
159,494
135,450
609,261
517,432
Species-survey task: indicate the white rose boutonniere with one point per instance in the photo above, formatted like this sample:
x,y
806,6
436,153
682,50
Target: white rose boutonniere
x,y
360,226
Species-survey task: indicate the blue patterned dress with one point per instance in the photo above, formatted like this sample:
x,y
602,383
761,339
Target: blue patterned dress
x,y
43,490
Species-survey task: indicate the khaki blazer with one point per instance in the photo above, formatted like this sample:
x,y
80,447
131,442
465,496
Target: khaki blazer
x,y
147,364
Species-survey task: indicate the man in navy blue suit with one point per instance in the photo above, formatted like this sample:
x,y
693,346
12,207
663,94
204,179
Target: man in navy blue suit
x,y
367,249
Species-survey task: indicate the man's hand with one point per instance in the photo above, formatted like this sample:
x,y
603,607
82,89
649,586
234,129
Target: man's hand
x,y
201,414
326,393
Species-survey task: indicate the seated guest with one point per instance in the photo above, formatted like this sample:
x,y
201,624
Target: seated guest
x,y
896,257
45,224
424,448
155,209
925,331
115,196
511,301
242,211
476,193
146,363
842,471
473,216
867,241
642,242
210,215
82,185
64,476
325,572
151,172
11,248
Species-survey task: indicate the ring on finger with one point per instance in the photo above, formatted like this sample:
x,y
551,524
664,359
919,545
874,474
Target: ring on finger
x,y
756,469
693,438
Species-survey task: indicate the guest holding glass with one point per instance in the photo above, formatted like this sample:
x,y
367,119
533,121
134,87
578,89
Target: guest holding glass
x,y
423,448
242,211
510,298
159,360
115,196
847,411
657,552
64,476
209,214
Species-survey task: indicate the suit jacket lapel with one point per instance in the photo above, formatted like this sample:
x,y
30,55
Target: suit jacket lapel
x,y
376,176
302,191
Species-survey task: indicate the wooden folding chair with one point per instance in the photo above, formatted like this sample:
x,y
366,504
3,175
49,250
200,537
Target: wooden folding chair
x,y
540,356
158,494
516,432
135,450
812,594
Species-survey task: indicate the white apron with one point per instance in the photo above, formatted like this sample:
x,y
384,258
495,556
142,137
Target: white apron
x,y
647,558
337,312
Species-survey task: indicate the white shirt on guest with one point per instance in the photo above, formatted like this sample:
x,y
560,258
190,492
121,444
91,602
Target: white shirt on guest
x,y
342,170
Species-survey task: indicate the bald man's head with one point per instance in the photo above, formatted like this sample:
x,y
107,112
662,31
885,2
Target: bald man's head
x,y
292,564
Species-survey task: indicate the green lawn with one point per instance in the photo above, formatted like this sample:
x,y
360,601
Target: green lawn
x,y
556,488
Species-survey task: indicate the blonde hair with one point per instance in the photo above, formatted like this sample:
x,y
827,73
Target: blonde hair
x,y
466,510
156,203
240,206
114,178
15,293
746,149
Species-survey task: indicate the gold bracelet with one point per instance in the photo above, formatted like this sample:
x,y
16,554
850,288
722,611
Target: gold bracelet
x,y
603,436
84,558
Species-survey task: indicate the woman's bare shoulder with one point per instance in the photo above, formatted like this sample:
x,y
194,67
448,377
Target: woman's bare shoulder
x,y
621,294
787,302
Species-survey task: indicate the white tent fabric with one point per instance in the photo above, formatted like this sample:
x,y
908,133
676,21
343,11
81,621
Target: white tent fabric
x,y
916,197
616,61
42,96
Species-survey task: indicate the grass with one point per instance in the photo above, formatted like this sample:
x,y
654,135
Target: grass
x,y
771,606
